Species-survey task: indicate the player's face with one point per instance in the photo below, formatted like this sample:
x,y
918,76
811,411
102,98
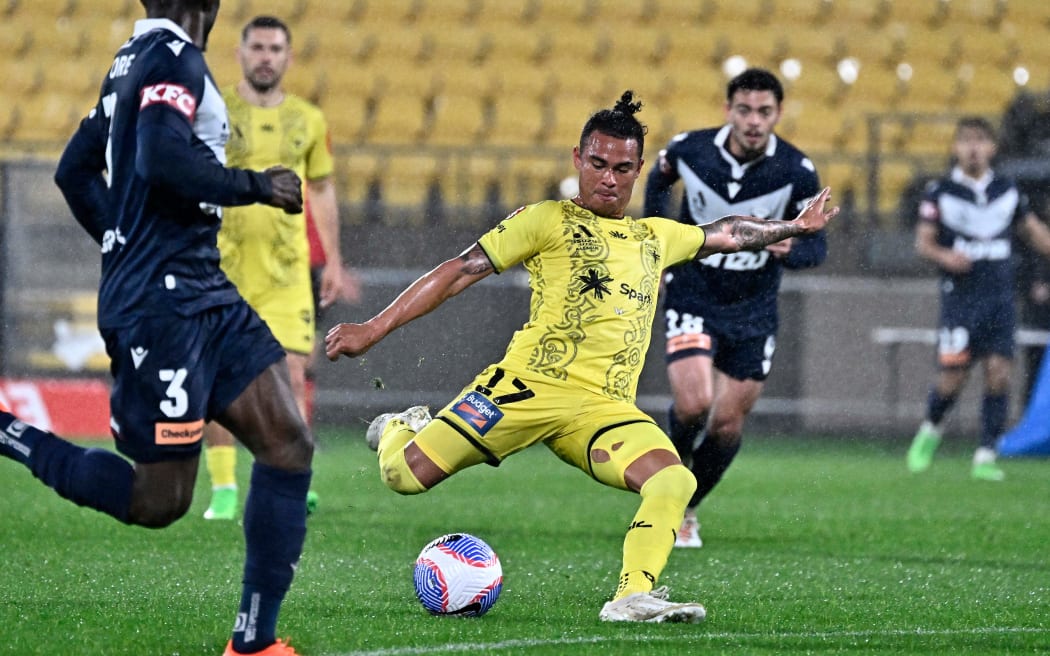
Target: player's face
x,y
264,55
608,168
974,149
753,115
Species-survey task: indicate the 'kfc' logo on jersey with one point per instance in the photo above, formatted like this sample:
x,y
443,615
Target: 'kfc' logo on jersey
x,y
175,95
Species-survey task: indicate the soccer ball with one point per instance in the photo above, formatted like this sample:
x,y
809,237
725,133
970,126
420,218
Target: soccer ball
x,y
458,574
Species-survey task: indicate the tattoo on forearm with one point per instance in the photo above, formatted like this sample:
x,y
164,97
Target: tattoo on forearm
x,y
751,234
475,261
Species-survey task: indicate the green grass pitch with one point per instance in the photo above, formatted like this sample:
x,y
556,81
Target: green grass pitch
x,y
811,547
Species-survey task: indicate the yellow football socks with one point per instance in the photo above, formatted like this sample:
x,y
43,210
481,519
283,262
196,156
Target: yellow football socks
x,y
651,535
222,465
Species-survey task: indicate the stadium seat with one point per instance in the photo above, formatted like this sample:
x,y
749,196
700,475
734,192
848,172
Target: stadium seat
x,y
347,116
24,79
48,118
521,123
16,41
458,120
408,178
842,175
354,173
532,178
398,119
894,175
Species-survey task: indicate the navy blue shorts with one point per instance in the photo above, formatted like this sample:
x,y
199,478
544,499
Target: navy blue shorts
x,y
172,374
742,358
974,330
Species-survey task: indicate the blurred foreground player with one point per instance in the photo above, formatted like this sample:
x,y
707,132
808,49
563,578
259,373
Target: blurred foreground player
x,y
570,375
185,348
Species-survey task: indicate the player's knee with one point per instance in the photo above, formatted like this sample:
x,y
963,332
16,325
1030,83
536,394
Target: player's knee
x,y
397,474
674,481
693,409
725,430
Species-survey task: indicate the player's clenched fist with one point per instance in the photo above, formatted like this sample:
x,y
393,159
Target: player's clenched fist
x,y
349,339
287,189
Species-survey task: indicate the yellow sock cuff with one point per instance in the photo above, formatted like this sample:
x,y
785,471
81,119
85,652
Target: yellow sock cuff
x,y
222,465
396,474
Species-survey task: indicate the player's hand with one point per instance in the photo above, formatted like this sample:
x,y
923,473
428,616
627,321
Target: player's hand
x,y
814,216
339,284
955,263
287,189
349,339
780,249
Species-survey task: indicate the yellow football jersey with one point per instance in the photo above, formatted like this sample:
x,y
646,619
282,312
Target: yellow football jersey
x,y
594,282
262,246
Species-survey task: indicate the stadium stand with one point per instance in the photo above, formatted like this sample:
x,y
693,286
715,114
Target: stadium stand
x,y
523,74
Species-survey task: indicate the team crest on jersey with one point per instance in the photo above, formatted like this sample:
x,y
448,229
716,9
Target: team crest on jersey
x,y
480,413
174,95
596,283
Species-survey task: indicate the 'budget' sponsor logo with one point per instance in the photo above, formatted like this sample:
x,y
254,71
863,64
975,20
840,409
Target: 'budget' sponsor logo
x,y
479,412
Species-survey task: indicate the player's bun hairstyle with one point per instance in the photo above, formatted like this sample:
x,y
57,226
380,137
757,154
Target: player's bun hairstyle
x,y
755,79
618,122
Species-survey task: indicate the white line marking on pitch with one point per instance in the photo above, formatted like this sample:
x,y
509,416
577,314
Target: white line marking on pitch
x,y
491,647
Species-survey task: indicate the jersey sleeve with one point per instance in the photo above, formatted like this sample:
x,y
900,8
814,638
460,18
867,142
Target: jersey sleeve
x,y
79,175
519,236
929,210
319,162
172,89
682,240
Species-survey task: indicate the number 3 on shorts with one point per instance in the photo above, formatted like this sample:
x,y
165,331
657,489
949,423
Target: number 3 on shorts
x,y
177,402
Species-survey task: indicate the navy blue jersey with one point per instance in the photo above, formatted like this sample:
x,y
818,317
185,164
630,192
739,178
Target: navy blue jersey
x,y
736,291
977,218
159,131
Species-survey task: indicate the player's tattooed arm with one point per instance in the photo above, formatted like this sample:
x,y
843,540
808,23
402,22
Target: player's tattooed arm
x,y
744,233
475,261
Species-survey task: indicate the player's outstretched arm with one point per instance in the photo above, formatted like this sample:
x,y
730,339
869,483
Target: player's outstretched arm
x,y
424,295
745,233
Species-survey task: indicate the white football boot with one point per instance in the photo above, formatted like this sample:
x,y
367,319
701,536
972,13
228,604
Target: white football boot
x,y
416,417
689,534
651,607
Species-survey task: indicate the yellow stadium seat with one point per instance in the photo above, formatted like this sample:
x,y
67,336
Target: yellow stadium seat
x,y
347,115
398,119
518,123
403,78
894,175
532,178
48,118
458,120
355,173
482,173
842,175
407,180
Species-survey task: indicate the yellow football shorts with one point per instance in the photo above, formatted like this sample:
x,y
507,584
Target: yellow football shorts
x,y
288,311
501,413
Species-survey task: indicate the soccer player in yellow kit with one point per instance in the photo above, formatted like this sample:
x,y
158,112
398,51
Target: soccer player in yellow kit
x,y
570,374
266,252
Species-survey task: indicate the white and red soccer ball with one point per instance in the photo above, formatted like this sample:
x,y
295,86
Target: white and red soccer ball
x,y
458,574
